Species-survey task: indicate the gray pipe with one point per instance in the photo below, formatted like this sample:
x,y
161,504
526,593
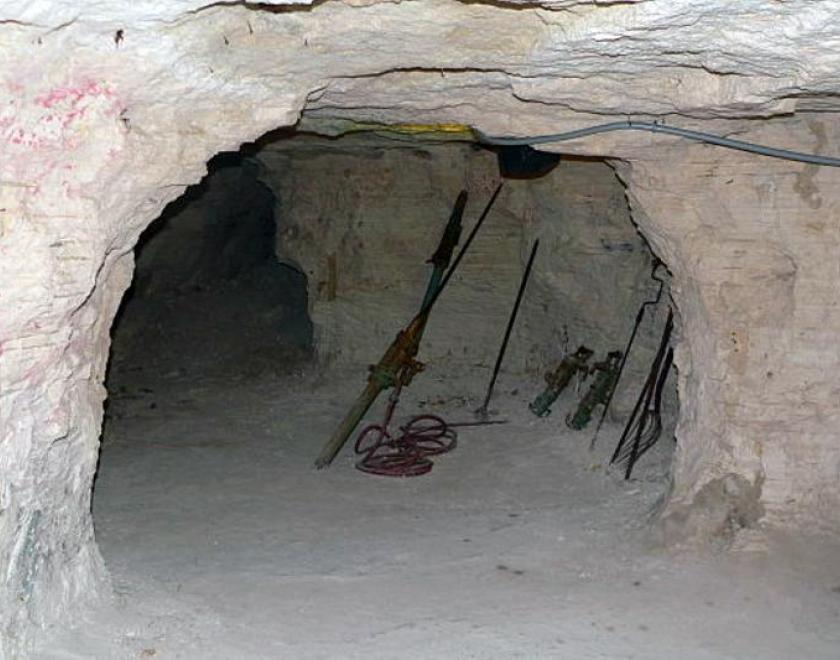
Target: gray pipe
x,y
699,136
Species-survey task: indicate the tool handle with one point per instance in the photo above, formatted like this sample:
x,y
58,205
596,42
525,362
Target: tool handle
x,y
348,424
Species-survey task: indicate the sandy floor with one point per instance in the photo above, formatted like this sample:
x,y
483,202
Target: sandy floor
x,y
223,542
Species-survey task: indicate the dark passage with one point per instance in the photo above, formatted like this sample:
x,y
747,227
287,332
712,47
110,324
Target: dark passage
x,y
210,298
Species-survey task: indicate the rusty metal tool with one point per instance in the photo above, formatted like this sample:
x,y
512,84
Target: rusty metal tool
x,y
398,364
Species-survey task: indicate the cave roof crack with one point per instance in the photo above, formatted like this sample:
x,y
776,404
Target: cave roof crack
x,y
414,108
441,70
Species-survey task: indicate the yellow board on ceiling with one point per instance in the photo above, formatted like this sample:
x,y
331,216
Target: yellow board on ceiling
x,y
449,130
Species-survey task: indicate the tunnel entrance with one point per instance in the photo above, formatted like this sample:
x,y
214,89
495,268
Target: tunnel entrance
x,y
209,296
261,297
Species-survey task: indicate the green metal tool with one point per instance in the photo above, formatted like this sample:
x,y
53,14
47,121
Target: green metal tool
x,y
606,375
557,380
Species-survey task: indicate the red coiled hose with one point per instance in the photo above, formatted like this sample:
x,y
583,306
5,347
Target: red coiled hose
x,y
407,455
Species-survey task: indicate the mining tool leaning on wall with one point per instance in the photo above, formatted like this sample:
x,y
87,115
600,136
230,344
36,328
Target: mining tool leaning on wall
x,y
398,365
557,380
645,423
606,375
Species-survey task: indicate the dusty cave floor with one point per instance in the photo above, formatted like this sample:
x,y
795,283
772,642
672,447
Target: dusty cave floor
x,y
223,542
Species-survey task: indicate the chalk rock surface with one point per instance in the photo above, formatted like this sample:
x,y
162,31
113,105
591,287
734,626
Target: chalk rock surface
x,y
110,109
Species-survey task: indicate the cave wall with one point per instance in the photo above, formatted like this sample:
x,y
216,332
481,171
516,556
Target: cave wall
x,y
111,110
755,245
361,215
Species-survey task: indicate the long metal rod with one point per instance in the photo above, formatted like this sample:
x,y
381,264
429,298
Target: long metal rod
x,y
482,411
638,420
639,316
652,434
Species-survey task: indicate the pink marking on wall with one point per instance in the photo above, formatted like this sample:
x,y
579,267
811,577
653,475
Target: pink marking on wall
x,y
58,122
72,93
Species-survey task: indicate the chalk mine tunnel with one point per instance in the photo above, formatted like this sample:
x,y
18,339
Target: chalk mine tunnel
x,y
215,219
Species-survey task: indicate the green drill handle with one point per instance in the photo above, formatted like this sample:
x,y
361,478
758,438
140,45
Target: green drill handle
x,y
606,374
557,380
592,398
